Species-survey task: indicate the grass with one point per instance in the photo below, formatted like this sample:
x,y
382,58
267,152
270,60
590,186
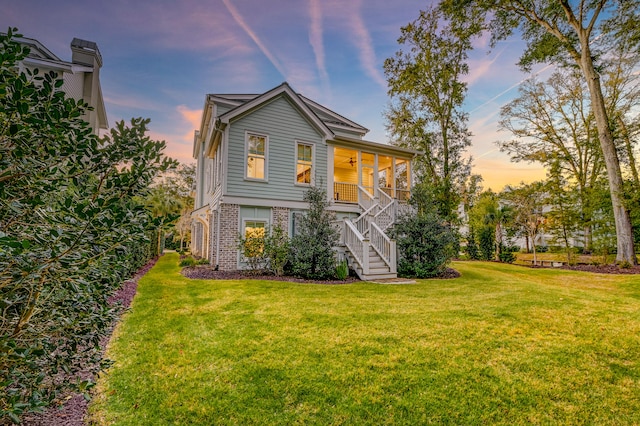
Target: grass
x,y
500,345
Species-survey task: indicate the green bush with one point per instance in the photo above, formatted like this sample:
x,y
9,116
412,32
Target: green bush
x,y
425,244
472,247
72,229
487,235
342,270
507,254
276,249
312,254
188,261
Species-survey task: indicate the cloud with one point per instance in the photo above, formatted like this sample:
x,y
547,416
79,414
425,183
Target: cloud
x,y
364,44
479,68
317,42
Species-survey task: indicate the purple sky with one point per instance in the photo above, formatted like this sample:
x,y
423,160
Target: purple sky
x,y
162,57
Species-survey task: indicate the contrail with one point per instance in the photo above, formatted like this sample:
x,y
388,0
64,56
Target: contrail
x,y
238,18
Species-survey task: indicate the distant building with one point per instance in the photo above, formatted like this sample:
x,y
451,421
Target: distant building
x,y
81,76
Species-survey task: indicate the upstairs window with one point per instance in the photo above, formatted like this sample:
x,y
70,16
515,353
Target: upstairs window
x,y
304,163
256,156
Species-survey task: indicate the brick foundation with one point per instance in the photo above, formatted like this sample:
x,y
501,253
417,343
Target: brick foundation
x,y
228,250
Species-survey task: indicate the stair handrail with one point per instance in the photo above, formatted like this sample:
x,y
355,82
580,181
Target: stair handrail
x,y
383,245
365,199
362,221
385,199
357,244
389,208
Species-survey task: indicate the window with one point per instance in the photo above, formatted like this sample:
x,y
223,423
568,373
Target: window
x,y
304,163
256,156
254,232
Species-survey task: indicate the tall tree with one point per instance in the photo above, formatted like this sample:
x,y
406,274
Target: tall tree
x,y
567,32
552,125
427,92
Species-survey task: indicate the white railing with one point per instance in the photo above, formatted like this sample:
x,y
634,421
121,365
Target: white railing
x,y
357,245
385,199
363,221
384,245
386,216
365,199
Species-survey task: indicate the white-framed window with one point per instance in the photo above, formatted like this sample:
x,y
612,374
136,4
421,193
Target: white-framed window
x,y
256,147
254,233
304,163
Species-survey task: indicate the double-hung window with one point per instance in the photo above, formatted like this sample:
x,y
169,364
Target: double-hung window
x,y
256,156
304,163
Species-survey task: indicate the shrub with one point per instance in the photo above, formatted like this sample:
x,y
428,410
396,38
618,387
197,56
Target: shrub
x,y
312,254
507,254
472,247
188,261
252,249
342,270
426,245
486,236
276,250
72,229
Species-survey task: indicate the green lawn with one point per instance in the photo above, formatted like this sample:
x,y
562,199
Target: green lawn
x,y
501,345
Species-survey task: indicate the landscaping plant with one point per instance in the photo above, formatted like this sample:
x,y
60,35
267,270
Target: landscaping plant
x,y
312,254
425,244
72,229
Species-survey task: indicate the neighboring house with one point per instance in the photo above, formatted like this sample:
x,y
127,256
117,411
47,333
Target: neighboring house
x,y
81,76
258,154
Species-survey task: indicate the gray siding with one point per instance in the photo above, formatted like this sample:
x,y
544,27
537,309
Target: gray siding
x,y
284,125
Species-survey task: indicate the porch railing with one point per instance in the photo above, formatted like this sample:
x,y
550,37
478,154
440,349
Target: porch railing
x,y
345,192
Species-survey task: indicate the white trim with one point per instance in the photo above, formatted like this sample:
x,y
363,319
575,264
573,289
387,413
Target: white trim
x,y
297,142
247,134
285,89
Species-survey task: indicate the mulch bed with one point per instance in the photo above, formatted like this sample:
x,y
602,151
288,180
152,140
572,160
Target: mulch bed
x,y
205,272
74,409
604,269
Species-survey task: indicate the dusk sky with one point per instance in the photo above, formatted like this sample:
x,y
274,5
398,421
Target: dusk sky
x,y
162,57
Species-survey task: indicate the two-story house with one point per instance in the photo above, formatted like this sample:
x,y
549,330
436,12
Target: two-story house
x,y
258,154
81,76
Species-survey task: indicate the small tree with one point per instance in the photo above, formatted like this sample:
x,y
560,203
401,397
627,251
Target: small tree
x,y
425,243
312,254
276,250
252,249
472,246
527,201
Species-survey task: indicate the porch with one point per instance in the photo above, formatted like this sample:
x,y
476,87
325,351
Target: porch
x,y
371,171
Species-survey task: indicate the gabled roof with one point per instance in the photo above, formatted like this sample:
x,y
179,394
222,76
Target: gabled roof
x,y
245,103
322,117
332,118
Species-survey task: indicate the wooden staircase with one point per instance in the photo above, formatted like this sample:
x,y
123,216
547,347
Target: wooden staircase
x,y
378,269
370,251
